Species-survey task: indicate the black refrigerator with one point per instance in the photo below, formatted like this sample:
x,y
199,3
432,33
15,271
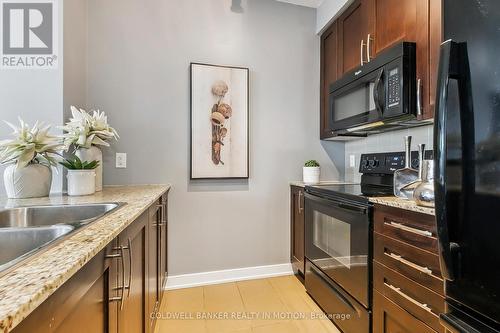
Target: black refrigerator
x,y
467,164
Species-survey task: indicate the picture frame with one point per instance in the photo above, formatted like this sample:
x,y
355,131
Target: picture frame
x,y
219,122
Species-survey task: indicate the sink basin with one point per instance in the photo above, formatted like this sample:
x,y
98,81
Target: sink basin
x,y
25,230
36,216
18,243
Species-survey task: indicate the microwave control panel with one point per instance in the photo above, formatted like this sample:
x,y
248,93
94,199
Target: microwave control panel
x,y
394,87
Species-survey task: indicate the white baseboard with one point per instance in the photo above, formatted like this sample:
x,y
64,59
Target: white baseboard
x,y
225,276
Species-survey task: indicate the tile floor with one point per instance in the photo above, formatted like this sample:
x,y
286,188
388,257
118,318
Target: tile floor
x,y
259,306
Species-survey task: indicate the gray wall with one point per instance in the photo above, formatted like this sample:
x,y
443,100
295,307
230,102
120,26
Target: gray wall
x,y
33,94
385,142
75,55
139,55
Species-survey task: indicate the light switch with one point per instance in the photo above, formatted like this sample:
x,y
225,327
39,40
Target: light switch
x,y
121,160
352,161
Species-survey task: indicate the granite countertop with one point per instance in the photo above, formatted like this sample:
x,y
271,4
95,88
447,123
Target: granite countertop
x,y
401,203
25,286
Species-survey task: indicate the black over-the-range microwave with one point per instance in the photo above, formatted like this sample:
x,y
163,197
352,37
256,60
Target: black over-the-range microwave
x,y
379,96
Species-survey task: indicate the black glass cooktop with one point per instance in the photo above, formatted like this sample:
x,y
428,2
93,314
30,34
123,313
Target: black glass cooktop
x,y
355,192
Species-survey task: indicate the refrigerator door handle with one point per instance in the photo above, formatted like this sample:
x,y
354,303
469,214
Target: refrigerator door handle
x,y
453,64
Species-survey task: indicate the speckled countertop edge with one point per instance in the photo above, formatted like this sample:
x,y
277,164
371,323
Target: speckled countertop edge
x,y
402,204
26,286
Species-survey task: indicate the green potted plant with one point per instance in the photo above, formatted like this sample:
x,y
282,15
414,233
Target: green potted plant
x,y
311,172
81,175
30,156
87,133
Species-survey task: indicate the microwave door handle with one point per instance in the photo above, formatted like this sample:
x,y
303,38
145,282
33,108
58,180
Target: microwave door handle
x,y
376,93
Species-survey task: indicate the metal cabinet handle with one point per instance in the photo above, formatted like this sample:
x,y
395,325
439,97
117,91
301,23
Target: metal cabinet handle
x,y
122,287
162,209
409,263
129,248
419,97
299,204
361,53
369,38
409,229
402,294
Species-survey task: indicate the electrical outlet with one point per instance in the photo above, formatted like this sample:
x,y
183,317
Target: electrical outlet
x,y
121,160
352,161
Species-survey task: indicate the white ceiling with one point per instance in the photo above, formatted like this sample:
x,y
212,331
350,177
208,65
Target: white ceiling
x,y
306,3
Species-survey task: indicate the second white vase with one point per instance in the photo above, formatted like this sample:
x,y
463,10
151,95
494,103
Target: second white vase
x,y
92,154
81,182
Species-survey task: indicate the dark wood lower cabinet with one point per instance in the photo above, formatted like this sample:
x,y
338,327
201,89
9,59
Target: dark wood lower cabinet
x,y
88,302
116,291
297,230
132,315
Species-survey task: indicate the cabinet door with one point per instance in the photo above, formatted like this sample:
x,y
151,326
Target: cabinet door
x,y
87,302
133,316
328,76
353,26
297,230
162,248
153,269
416,21
390,318
435,40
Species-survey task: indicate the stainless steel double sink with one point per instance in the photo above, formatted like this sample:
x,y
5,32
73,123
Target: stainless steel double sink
x,y
25,230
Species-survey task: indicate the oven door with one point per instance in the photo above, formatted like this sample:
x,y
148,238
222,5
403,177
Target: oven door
x,y
338,242
358,102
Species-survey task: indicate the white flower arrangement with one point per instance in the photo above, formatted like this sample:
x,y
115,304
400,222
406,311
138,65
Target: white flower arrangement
x,y
30,145
85,130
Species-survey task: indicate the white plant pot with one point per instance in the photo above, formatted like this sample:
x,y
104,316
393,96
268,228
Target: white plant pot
x,y
81,182
32,181
311,175
92,154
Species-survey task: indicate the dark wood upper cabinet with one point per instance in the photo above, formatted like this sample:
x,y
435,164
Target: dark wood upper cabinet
x,y
354,26
328,75
368,27
297,226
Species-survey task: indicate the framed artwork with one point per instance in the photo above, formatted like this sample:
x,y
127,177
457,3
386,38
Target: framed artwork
x,y
219,122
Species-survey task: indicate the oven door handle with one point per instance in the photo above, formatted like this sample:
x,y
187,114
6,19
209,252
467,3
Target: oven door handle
x,y
352,206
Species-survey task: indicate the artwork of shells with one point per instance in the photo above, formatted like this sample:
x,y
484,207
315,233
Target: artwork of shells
x,y
219,122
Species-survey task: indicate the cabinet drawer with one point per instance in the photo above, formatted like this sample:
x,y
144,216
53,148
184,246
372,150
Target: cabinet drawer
x,y
420,266
420,302
413,228
390,318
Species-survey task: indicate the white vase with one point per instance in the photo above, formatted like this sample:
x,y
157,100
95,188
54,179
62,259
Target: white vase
x,y
81,182
32,181
311,175
92,154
